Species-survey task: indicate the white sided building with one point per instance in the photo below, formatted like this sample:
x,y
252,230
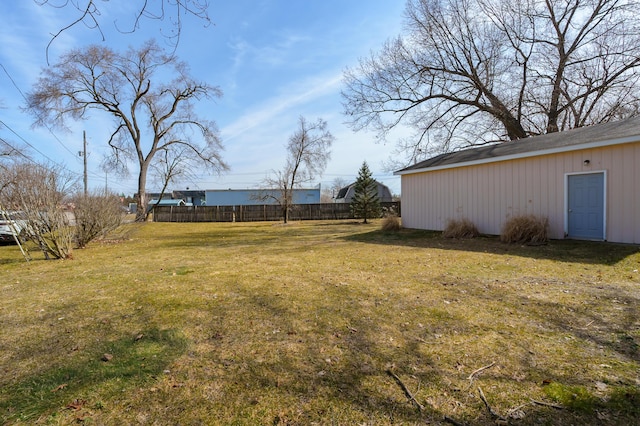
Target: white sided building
x,y
586,181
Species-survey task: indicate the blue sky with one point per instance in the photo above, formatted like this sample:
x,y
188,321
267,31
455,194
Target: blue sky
x,y
274,60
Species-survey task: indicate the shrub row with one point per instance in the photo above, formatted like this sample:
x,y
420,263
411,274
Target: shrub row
x,y
525,229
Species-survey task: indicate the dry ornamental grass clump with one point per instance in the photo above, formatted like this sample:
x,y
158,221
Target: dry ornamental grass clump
x,y
391,223
460,228
526,229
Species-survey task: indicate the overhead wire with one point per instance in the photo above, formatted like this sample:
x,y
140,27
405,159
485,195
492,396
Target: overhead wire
x,y
29,144
92,175
16,150
15,85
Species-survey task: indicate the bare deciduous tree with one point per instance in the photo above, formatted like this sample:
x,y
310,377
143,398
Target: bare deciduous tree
x,y
150,115
329,194
172,165
469,72
89,13
308,152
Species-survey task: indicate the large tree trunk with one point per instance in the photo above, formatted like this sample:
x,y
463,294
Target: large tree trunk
x,y
286,205
141,197
511,124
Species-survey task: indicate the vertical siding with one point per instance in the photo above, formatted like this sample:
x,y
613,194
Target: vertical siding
x,y
615,216
491,193
631,186
554,199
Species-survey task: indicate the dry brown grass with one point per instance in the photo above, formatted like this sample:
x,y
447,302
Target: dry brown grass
x,y
460,228
391,223
260,323
526,229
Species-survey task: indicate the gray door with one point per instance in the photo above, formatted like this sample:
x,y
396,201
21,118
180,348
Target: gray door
x,y
586,206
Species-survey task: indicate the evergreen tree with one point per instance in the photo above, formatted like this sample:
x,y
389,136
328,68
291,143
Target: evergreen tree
x,y
365,203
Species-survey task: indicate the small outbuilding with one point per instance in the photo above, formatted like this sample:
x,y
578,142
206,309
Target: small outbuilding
x,y
345,195
585,181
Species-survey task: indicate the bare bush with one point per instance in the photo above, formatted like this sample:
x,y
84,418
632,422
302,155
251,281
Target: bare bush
x,y
96,215
525,229
39,191
460,228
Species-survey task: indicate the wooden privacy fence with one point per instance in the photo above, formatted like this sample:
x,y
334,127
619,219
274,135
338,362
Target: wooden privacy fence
x,y
265,212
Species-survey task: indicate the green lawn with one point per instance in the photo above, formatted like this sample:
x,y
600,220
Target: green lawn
x,y
303,324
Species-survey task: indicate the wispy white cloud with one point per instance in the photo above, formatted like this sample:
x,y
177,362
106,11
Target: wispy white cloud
x,y
24,40
292,96
284,51
281,53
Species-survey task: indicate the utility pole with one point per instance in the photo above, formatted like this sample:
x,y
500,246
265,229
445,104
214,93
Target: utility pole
x,y
84,155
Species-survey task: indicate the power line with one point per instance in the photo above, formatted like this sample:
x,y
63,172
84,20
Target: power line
x,y
25,98
16,150
49,128
27,142
94,176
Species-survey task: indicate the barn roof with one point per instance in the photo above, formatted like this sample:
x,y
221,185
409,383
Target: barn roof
x,y
599,135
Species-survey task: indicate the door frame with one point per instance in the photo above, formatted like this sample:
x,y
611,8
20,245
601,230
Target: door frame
x,y
604,200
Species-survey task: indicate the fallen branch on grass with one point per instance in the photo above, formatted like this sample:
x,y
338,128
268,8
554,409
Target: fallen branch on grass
x,y
547,404
513,413
454,422
491,410
479,370
406,390
586,326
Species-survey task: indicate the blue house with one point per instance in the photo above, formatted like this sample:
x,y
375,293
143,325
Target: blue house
x,y
249,197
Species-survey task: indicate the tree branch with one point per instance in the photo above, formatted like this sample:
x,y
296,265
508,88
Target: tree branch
x,y
406,390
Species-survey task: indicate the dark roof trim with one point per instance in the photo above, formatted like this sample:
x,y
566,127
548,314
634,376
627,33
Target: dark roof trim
x,y
597,136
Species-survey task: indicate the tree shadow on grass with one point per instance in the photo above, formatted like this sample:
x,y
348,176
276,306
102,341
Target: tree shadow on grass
x,y
588,252
10,253
604,328
133,362
327,362
336,370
